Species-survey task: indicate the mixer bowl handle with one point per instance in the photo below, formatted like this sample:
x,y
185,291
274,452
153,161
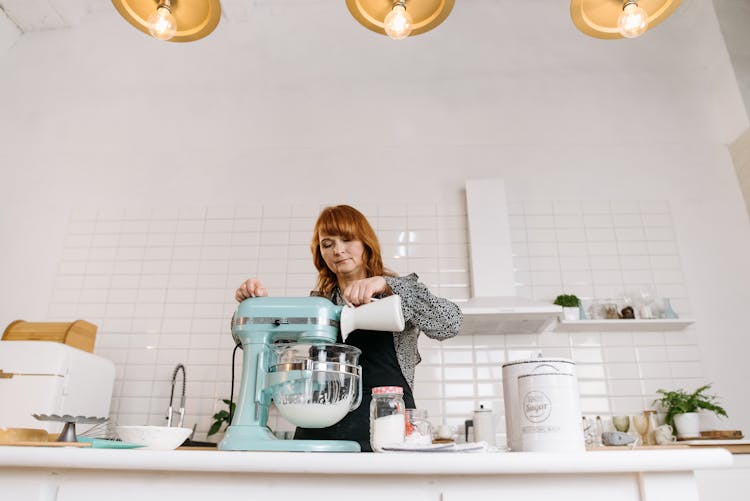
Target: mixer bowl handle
x,y
358,400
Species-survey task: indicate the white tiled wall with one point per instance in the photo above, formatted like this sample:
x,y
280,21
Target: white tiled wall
x,y
160,284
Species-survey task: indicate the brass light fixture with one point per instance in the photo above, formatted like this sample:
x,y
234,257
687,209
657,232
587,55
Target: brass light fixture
x,y
172,20
400,18
619,18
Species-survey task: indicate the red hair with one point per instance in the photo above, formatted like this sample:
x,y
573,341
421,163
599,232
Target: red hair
x,y
347,222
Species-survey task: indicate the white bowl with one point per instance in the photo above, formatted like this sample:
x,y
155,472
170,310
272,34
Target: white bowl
x,y
154,438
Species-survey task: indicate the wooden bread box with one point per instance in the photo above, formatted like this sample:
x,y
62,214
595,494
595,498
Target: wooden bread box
x,y
79,334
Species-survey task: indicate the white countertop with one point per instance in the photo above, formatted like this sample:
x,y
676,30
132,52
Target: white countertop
x,y
400,463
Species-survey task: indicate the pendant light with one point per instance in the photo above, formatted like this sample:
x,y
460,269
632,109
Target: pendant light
x,y
619,18
171,20
399,19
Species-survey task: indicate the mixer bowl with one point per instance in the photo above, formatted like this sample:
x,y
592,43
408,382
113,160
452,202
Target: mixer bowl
x,y
315,385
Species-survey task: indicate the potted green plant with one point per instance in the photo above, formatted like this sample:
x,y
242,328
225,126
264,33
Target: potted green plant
x,y
682,409
570,305
221,418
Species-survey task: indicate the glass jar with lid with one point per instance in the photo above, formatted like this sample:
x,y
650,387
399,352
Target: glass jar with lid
x,y
387,417
418,427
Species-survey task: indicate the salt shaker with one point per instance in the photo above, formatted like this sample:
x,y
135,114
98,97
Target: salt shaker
x,y
387,417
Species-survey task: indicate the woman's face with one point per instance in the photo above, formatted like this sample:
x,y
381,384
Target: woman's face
x,y
343,256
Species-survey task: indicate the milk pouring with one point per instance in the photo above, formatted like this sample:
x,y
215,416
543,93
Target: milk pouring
x,y
511,372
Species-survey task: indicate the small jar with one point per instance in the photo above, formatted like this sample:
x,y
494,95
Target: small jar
x,y
387,417
418,428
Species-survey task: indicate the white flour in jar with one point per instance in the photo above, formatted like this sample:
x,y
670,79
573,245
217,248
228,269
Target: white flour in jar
x,y
387,430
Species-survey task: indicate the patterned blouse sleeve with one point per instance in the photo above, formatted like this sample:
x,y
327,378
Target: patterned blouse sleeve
x,y
437,317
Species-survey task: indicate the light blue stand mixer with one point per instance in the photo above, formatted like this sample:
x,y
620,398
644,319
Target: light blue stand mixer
x,y
290,357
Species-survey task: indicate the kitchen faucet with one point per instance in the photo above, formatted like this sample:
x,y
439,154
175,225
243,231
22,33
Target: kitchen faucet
x,y
171,396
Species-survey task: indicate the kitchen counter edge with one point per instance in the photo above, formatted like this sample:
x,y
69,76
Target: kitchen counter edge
x,y
404,463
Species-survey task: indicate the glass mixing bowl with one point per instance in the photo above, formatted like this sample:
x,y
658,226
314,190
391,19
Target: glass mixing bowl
x,y
315,385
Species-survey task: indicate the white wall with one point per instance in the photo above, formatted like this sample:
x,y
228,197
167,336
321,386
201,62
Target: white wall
x,y
9,32
302,105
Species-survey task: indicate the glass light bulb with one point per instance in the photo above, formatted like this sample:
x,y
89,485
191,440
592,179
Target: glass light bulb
x,y
398,23
633,22
161,24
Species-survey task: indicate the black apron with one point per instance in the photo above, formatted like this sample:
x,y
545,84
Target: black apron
x,y
379,368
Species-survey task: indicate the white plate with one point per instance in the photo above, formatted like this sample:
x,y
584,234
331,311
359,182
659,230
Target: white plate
x,y
449,447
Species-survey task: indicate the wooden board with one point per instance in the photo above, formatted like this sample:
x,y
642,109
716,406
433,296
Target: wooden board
x,y
722,435
46,444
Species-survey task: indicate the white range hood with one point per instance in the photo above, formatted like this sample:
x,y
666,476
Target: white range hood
x,y
494,307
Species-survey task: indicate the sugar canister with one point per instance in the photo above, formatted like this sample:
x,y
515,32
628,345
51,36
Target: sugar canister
x,y
387,417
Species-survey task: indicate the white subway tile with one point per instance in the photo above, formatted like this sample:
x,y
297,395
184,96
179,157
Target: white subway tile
x,y
690,353
517,221
590,371
248,211
566,207
570,234
600,248
515,207
489,373
632,220
586,355
454,407
541,235
686,369
557,352
625,387
657,220
627,406
539,221
452,221
662,248
452,374
668,277
651,353
572,279
489,390
546,278
538,207
592,388
540,263
619,354
622,371
654,370
655,207
542,249
633,248
457,236
189,239
569,221
595,405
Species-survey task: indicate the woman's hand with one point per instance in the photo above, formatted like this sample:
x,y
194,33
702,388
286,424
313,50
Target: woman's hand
x,y
252,287
361,291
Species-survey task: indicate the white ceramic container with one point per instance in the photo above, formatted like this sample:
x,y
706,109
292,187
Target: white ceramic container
x,y
511,371
549,413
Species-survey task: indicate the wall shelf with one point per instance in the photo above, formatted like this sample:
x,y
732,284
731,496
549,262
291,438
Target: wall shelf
x,y
657,324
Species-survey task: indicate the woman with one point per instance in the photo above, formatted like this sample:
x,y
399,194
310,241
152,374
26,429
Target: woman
x,y
350,268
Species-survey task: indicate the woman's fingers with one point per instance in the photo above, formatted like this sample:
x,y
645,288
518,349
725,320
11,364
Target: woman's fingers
x,y
361,291
251,287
